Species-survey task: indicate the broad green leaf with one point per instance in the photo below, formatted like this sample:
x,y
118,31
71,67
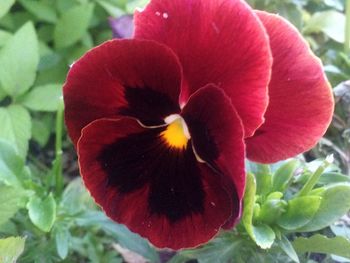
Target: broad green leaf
x,y
11,164
328,178
111,9
42,212
331,23
334,204
4,37
283,176
72,26
11,248
11,199
62,237
41,10
5,6
16,127
75,198
19,59
43,98
299,212
339,246
131,6
287,247
264,236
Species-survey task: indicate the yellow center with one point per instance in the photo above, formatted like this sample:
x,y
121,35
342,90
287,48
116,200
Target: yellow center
x,y
176,134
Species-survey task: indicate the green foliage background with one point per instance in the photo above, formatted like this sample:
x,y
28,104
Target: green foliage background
x,y
46,214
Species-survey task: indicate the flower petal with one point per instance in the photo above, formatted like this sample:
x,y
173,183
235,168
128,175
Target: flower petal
x,y
116,79
162,193
301,103
217,41
217,134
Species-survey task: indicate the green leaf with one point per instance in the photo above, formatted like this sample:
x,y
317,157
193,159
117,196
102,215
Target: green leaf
x,y
111,9
11,248
16,127
40,132
334,205
125,237
42,212
283,176
249,202
221,249
75,198
264,236
263,177
4,37
331,177
41,10
299,212
287,247
43,98
11,164
11,199
62,237
5,6
72,26
331,23
19,59
339,246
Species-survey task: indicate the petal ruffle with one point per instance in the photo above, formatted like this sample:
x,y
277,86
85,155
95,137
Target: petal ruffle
x,y
301,103
163,194
217,135
217,41
135,78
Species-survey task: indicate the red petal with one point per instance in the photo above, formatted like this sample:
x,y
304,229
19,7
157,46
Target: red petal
x,y
217,135
116,78
217,41
301,103
127,198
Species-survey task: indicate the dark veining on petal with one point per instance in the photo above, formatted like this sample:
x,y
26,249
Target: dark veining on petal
x,y
144,159
148,106
203,141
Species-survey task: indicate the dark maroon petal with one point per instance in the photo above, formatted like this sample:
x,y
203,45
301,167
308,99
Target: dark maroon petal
x,y
217,41
135,78
159,192
301,102
217,135
122,27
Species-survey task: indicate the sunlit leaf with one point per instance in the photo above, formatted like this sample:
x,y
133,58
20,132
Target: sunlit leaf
x,y
19,59
11,248
42,212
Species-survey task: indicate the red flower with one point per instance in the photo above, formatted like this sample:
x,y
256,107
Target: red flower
x,y
160,122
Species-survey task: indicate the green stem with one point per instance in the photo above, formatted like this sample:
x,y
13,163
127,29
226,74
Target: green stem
x,y
315,176
57,166
347,27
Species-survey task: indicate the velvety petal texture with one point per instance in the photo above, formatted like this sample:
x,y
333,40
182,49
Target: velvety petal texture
x,y
217,41
162,193
116,79
301,102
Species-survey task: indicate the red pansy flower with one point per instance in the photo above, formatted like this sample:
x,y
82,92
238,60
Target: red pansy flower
x,y
161,121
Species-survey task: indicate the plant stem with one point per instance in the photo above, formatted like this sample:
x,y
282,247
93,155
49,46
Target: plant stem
x,y
347,27
315,176
57,166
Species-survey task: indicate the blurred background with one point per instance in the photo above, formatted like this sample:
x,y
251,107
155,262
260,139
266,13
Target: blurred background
x,y
39,40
